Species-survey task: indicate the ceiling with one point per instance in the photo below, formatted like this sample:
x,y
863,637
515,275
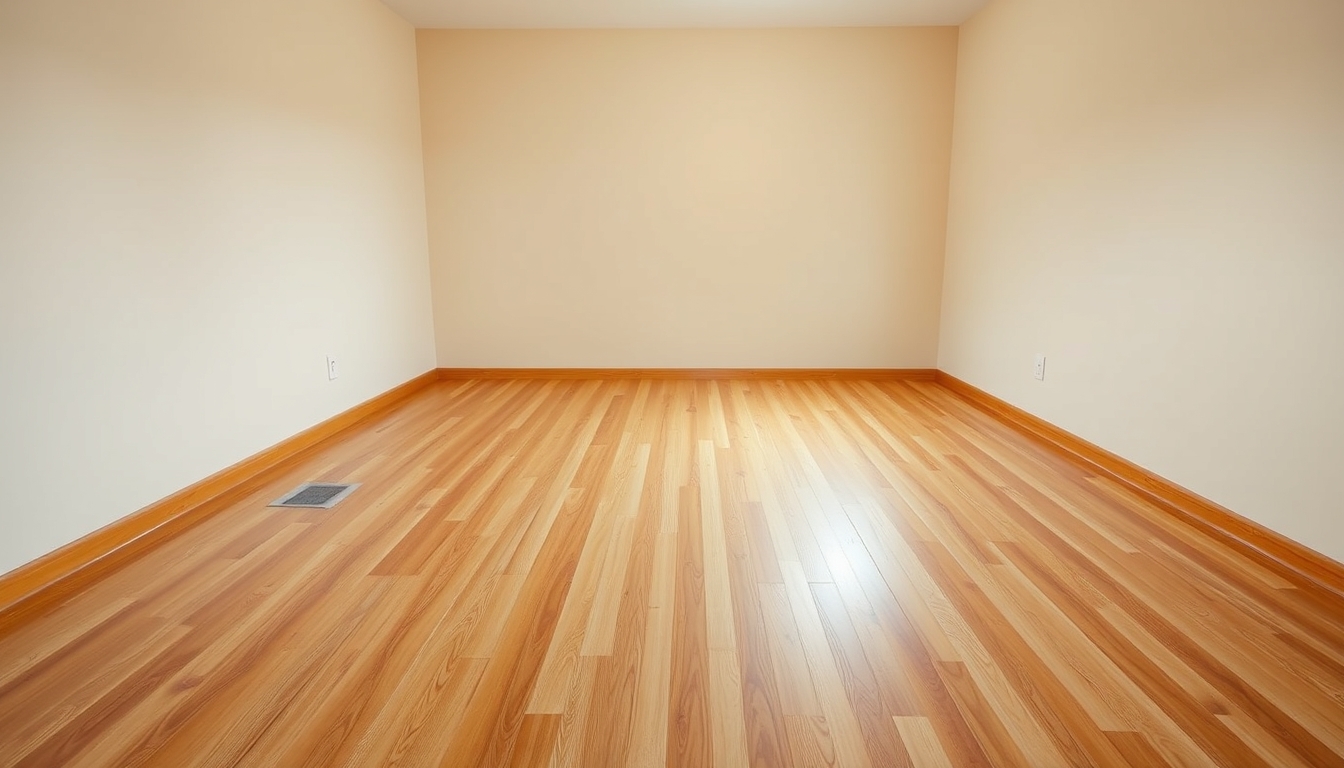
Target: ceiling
x,y
581,14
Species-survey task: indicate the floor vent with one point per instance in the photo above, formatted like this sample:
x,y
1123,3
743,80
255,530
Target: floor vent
x,y
316,495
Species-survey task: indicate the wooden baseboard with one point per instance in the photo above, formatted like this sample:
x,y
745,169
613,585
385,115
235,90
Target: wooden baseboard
x,y
699,374
31,589
1280,554
34,588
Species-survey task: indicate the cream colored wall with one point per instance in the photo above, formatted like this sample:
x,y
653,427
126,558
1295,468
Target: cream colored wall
x,y
687,198
1152,194
198,202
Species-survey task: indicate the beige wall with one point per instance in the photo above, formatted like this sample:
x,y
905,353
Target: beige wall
x,y
687,198
1152,194
198,202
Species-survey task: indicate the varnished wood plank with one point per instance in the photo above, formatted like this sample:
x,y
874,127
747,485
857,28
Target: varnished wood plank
x,y
608,739
425,737
494,715
334,695
225,723
491,724
650,717
568,637
922,742
969,652
25,654
1156,619
503,600
914,643
599,635
574,720
798,695
1169,693
1116,701
874,720
583,421
810,742
536,740
762,709
1000,743
728,725
1137,749
849,744
693,572
136,644
388,685
1052,701
1264,745
688,725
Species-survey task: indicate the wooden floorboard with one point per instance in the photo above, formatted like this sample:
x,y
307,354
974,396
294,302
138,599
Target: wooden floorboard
x,y
685,572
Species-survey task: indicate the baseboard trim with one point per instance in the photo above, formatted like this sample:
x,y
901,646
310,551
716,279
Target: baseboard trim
x,y
31,589
692,374
1280,554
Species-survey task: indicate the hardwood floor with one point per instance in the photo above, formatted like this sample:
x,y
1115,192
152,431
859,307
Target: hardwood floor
x,y
685,573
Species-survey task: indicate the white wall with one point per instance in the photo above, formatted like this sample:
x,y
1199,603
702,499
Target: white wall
x,y
1152,194
198,202
687,198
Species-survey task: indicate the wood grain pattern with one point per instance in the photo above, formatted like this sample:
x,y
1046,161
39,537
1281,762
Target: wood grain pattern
x,y
685,572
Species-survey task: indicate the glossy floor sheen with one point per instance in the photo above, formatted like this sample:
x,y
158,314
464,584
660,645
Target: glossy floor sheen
x,y
685,574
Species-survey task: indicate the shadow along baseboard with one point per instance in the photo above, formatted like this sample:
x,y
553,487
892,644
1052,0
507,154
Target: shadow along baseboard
x,y
30,589
692,374
1295,562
